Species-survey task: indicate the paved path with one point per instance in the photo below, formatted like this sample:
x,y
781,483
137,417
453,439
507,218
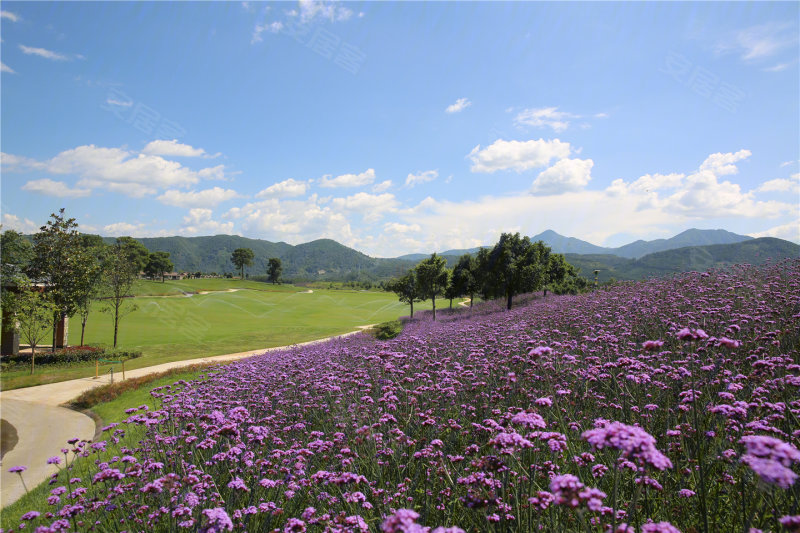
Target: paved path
x,y
43,427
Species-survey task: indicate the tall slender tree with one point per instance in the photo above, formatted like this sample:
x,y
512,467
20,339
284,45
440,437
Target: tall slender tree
x,y
119,276
432,278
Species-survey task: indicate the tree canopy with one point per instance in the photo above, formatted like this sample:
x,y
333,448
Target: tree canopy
x,y
242,257
274,270
157,264
432,278
406,289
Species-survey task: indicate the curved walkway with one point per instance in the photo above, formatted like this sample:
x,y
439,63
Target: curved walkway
x,y
43,427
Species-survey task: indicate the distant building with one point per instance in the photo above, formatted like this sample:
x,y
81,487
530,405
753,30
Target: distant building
x,y
175,275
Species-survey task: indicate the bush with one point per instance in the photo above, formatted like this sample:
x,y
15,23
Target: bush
x,y
387,330
67,356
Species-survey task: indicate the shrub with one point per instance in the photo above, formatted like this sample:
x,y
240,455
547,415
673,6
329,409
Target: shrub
x,y
71,355
387,330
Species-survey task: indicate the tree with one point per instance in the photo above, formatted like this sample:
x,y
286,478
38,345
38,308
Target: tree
x,y
406,289
515,266
432,278
59,259
33,311
464,281
119,275
16,253
157,264
274,270
137,253
242,257
88,278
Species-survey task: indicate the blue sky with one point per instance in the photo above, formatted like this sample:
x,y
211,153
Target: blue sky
x,y
402,127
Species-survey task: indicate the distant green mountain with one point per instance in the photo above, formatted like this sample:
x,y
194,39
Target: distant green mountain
x,y
699,258
326,259
570,245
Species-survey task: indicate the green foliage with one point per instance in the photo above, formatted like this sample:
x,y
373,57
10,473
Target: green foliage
x,y
119,276
274,270
33,311
16,252
157,264
69,356
407,289
137,253
464,280
432,279
387,330
242,257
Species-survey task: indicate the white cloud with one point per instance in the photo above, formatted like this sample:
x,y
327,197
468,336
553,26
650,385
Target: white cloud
x,y
654,182
349,180
761,41
723,164
789,232
778,67
372,207
13,17
175,149
199,220
421,177
545,117
293,221
517,155
272,27
792,184
58,189
119,103
22,225
205,198
284,189
116,169
42,52
565,175
382,186
118,229
5,68
311,9
395,227
460,105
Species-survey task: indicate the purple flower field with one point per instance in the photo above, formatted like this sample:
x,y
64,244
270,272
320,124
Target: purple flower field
x,y
660,406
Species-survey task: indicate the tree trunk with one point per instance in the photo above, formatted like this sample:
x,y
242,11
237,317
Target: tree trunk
x,y
242,272
508,303
33,356
116,322
55,326
471,298
412,309
162,277
451,304
84,318
434,308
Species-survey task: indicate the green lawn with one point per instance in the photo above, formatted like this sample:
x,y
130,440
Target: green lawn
x,y
259,315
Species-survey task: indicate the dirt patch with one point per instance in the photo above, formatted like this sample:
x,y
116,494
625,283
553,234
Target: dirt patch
x,y
8,437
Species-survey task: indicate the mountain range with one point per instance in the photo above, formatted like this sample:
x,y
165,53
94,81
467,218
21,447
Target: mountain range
x,y
634,250
326,259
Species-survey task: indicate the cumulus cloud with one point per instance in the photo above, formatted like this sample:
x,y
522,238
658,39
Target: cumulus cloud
x,y
59,189
545,117
293,221
175,149
565,175
309,10
8,15
723,164
395,227
118,229
517,155
116,169
284,189
42,52
5,68
460,105
271,27
372,207
421,177
200,220
348,180
789,232
205,198
792,184
22,225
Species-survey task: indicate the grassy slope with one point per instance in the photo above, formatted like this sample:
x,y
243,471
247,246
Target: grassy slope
x,y
113,411
180,328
